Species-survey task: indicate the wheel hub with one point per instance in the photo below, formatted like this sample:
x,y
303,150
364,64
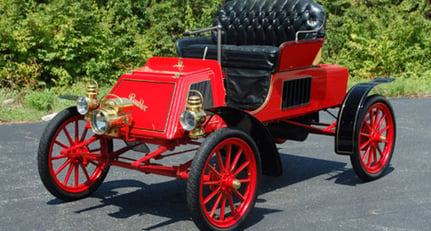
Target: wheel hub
x,y
229,184
377,137
77,157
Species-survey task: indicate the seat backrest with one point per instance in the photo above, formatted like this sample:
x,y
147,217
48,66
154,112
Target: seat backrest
x,y
269,22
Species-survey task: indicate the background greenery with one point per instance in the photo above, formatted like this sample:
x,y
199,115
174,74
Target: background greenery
x,y
49,45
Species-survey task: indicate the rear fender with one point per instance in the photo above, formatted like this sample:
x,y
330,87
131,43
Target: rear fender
x,y
348,115
235,118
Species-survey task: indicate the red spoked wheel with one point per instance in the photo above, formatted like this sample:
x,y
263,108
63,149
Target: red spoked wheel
x,y
375,139
224,180
65,166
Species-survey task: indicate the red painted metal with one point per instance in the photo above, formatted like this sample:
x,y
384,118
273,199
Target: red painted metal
x,y
222,203
159,92
298,54
376,138
328,87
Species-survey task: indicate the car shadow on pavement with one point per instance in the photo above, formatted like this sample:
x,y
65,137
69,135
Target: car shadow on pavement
x,y
299,168
168,199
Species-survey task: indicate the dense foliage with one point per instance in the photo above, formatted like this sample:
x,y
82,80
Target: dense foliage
x,y
59,42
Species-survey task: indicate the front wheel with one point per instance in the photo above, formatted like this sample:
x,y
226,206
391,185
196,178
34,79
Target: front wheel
x,y
64,162
224,180
375,138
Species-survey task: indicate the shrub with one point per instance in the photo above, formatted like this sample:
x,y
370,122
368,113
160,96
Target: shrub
x,y
60,42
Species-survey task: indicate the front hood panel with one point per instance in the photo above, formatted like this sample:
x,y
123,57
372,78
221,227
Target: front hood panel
x,y
152,102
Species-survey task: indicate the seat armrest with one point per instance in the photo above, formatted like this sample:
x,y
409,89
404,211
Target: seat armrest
x,y
198,31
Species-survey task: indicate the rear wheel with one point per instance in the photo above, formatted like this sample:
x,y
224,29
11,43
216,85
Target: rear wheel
x,y
63,169
375,138
224,180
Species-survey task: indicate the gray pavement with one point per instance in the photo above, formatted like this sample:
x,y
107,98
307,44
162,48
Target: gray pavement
x,y
317,191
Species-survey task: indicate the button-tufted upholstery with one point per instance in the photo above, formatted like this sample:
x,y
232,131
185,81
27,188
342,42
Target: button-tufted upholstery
x,y
253,34
269,22
263,23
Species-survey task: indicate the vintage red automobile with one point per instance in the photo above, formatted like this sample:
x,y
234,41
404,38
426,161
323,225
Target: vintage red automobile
x,y
231,96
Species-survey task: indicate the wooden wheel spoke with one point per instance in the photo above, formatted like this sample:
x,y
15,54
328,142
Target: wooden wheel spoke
x,y
365,134
370,118
216,205
231,204
223,207
61,144
212,169
380,151
59,157
238,194
220,161
368,126
84,134
69,172
67,162
228,155
384,129
380,123
370,157
212,195
236,159
242,167
367,152
68,136
211,183
85,171
376,117
248,180
365,144
77,131
96,139
375,156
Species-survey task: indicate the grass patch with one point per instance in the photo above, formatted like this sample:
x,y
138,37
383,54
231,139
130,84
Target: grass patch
x,y
409,87
32,105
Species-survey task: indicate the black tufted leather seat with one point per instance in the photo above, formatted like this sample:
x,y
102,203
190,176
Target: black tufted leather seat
x,y
252,35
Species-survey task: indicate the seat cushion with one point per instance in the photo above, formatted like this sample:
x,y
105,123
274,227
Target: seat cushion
x,y
253,57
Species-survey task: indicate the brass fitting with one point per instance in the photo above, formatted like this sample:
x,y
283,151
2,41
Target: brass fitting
x,y
114,114
195,105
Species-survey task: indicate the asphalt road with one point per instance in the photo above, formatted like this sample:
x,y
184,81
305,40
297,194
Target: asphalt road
x,y
318,190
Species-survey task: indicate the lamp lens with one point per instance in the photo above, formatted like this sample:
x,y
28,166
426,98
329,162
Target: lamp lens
x,y
82,105
188,120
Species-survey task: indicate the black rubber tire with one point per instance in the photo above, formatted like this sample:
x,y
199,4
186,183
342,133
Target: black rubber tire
x,y
196,170
362,171
44,152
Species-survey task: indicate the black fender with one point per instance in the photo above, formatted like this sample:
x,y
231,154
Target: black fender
x,y
238,119
348,115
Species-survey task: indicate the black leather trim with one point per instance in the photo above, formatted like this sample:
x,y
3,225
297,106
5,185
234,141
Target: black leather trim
x,y
246,89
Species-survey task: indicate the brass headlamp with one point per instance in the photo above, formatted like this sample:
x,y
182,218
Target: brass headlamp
x,y
114,113
194,116
85,105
